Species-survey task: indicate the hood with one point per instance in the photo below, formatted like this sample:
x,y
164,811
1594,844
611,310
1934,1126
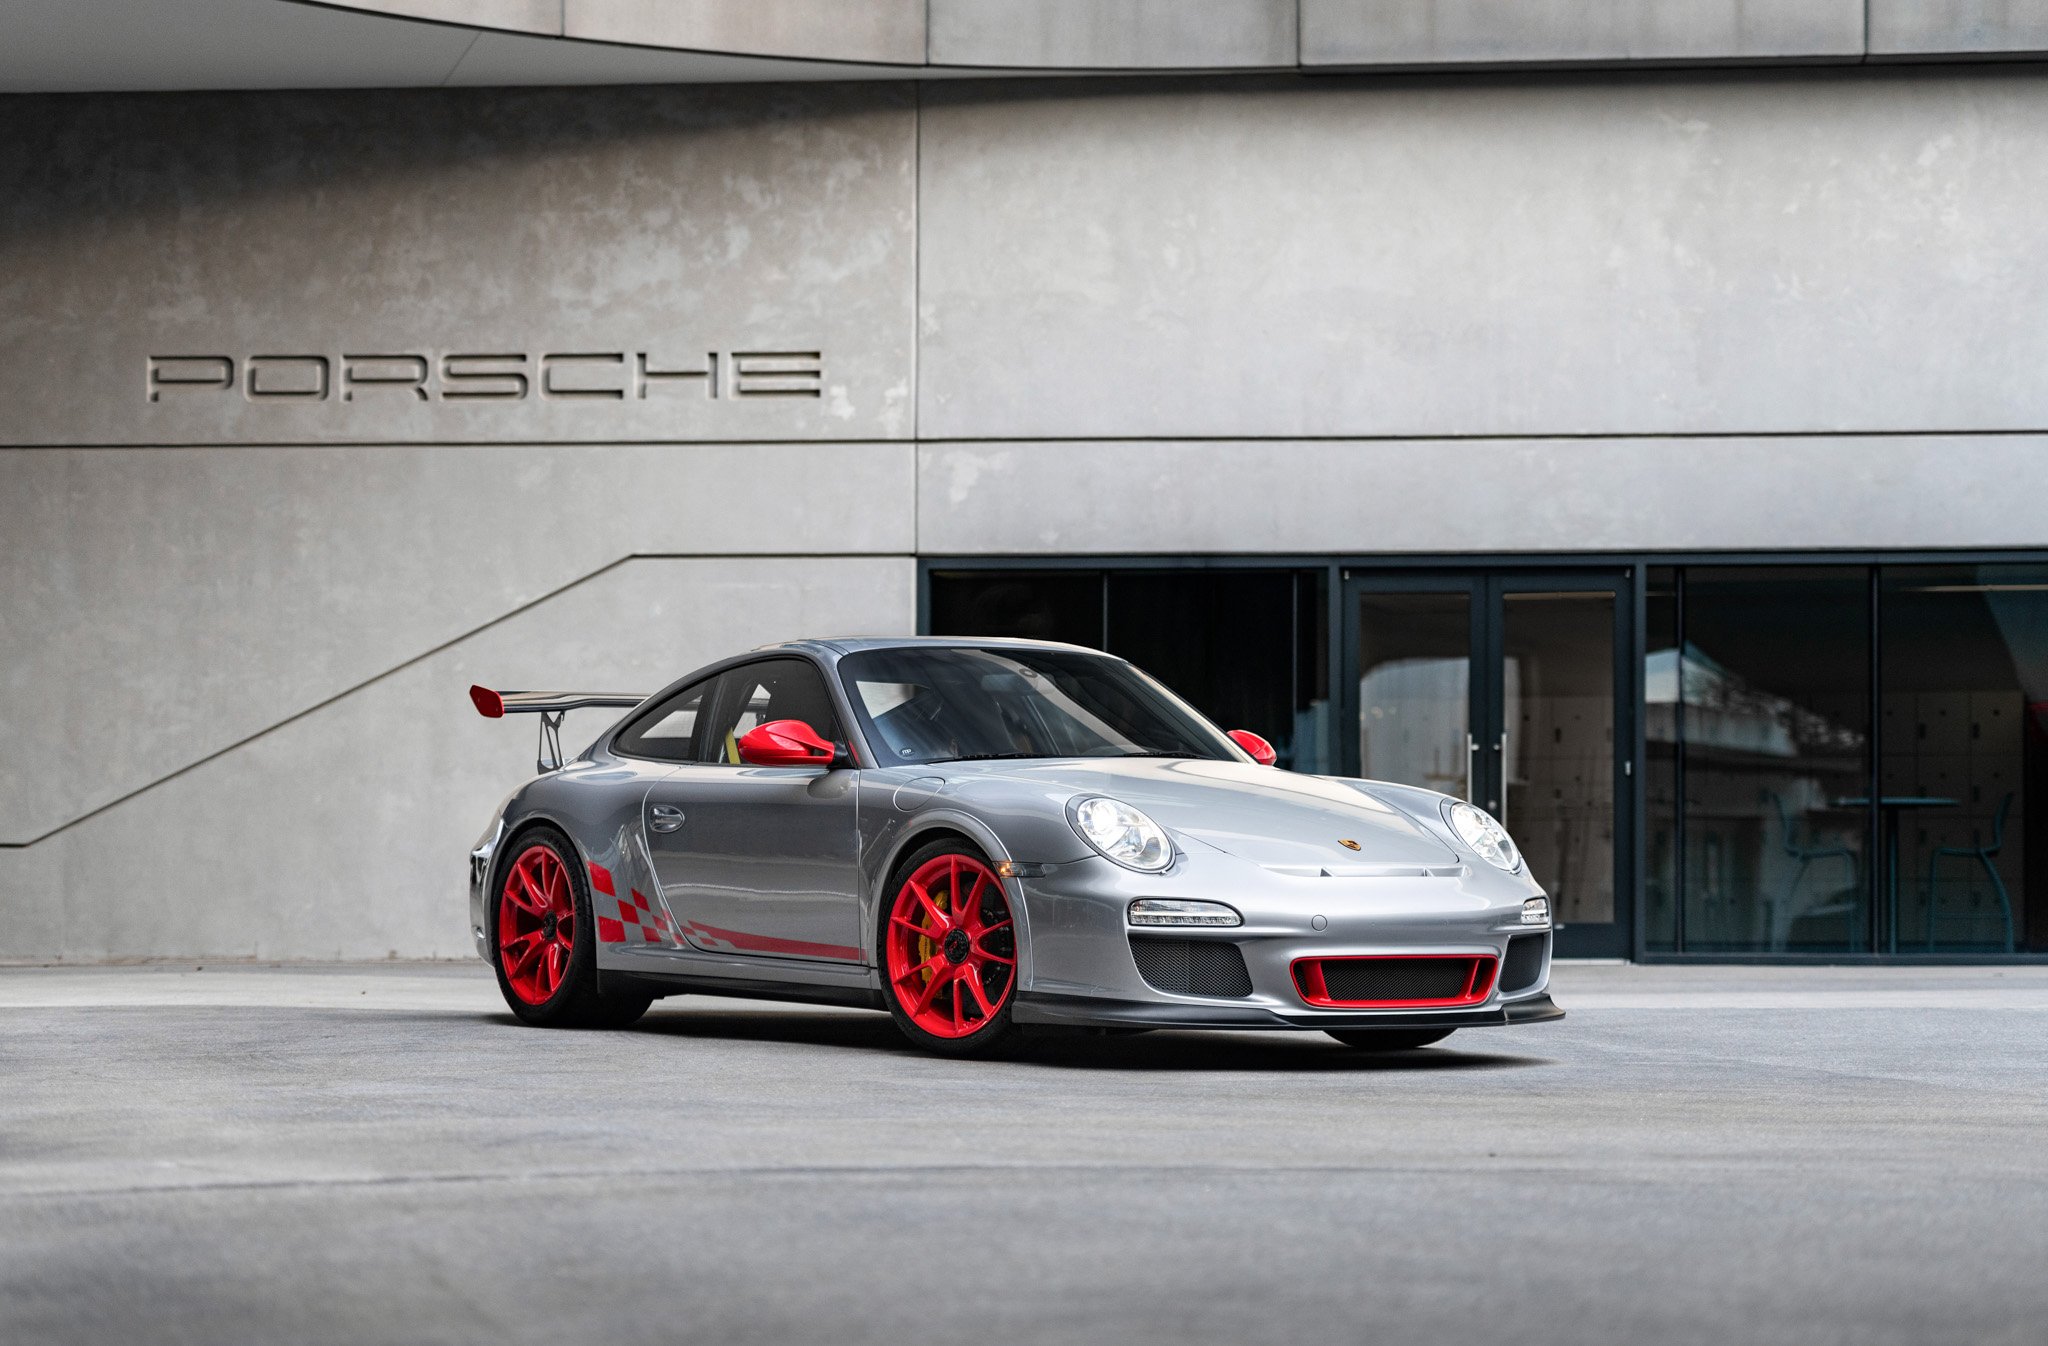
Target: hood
x,y
1272,818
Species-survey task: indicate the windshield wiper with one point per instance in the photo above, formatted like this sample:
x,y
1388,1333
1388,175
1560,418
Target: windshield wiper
x,y
1193,756
992,757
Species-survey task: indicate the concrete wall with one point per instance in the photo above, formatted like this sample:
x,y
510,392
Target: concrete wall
x,y
1546,32
1113,34
1465,315
1131,35
1523,256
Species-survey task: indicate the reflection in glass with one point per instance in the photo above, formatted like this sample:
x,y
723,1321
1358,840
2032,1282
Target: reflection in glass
x,y
1242,645
1414,699
1558,689
1965,742
1772,673
1033,604
1660,768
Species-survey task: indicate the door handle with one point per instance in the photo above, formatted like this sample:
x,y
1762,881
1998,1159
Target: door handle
x,y
664,818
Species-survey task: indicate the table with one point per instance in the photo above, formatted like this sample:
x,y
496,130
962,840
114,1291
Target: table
x,y
1889,807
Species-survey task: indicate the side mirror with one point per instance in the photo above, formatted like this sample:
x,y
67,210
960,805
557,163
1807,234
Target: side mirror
x,y
1261,751
786,743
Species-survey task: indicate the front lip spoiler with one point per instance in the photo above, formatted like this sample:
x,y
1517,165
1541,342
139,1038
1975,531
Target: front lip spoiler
x,y
1090,1012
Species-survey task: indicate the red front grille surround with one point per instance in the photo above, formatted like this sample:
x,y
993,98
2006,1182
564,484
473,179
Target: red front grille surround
x,y
1476,983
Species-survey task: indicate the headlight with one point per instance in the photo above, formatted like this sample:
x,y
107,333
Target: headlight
x,y
1485,836
1121,833
1536,911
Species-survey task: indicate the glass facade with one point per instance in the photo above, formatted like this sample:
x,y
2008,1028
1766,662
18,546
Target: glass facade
x,y
1845,759
1756,696
1841,759
1963,672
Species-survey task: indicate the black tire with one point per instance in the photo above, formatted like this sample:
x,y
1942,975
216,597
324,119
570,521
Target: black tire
x,y
1388,1039
997,1032
575,1002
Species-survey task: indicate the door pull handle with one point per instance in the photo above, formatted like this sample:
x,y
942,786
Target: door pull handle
x,y
664,818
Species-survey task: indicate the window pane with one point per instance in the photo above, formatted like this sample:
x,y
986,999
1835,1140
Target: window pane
x,y
775,689
1223,639
1660,770
1964,667
944,703
1031,604
1414,690
1774,678
669,732
1557,685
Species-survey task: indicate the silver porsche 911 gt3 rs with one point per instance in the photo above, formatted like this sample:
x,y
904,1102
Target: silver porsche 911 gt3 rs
x,y
983,837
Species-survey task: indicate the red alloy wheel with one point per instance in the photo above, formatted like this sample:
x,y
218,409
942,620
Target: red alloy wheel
x,y
952,949
536,924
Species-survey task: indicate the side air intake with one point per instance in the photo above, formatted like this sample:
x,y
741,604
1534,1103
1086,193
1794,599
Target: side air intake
x,y
1523,967
1204,967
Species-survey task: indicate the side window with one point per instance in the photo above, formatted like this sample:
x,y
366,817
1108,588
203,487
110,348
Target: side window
x,y
668,733
774,689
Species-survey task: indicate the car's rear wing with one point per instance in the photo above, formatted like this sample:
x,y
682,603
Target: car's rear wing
x,y
551,707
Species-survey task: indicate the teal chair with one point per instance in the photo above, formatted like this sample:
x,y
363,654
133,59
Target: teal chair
x,y
1797,845
1983,855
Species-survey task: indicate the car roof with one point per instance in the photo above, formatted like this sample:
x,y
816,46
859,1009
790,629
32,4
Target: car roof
x,y
842,645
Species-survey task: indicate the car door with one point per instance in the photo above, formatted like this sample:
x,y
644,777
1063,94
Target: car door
x,y
755,860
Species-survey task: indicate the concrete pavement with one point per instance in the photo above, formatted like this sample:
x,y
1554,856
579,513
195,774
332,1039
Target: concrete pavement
x,y
380,1154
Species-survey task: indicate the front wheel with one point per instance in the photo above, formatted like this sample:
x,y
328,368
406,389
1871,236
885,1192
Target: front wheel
x,y
949,951
546,942
1389,1039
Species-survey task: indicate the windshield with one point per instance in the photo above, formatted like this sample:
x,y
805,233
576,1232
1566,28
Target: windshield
x,y
944,704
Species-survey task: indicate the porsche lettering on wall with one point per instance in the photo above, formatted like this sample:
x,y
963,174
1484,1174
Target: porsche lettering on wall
x,y
603,376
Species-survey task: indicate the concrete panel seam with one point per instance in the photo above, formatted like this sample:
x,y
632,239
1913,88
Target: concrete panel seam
x,y
460,59
1490,436
421,657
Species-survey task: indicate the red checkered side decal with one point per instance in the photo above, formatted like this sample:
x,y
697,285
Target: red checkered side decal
x,y
636,917
638,923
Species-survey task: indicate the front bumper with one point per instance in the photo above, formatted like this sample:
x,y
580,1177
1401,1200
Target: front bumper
x,y
1089,1012
1081,970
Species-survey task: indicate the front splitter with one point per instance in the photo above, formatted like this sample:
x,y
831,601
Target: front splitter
x,y
1088,1012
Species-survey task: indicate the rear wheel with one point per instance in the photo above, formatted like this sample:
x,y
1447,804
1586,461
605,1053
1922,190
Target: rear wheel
x,y
1389,1039
949,951
546,941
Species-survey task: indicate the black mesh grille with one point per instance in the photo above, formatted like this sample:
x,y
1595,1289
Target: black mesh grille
x,y
1524,963
1395,978
1208,967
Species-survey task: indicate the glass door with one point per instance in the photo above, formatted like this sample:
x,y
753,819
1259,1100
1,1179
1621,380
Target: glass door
x,y
1508,690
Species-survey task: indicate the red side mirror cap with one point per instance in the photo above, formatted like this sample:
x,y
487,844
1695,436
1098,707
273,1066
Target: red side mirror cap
x,y
1261,751
784,743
